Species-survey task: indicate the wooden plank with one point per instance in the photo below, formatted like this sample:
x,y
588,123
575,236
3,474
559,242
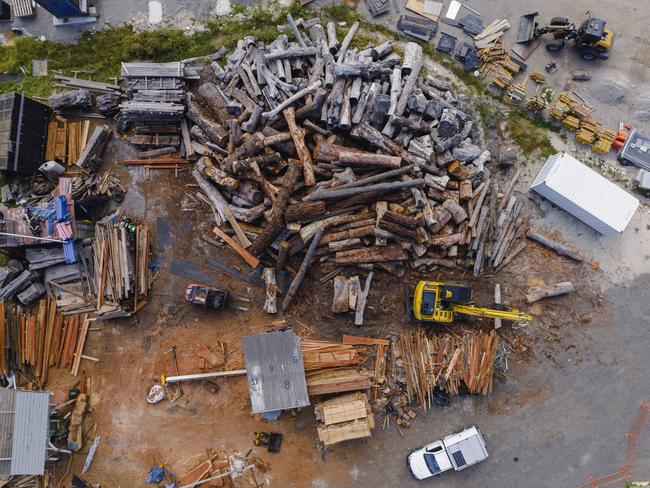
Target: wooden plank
x,y
248,257
50,147
366,341
80,345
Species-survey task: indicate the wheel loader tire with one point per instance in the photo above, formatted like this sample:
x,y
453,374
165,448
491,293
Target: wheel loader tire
x,y
554,46
589,54
559,21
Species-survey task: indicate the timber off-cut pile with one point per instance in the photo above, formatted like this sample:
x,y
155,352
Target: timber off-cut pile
x,y
449,362
41,338
114,277
306,145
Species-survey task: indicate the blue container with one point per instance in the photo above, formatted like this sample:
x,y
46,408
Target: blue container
x,y
61,8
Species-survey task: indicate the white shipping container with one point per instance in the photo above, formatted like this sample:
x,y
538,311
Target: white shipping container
x,y
585,194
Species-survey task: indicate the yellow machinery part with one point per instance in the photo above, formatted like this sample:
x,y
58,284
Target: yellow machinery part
x,y
513,315
605,45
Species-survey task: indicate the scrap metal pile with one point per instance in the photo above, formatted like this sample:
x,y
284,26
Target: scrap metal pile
x,y
347,155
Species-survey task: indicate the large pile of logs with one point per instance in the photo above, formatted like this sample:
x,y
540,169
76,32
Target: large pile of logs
x,y
349,156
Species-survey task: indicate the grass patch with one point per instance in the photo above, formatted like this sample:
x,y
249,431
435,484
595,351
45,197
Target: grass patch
x,y
531,133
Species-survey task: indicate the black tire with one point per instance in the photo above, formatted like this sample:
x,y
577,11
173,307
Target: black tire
x,y
554,46
559,21
589,54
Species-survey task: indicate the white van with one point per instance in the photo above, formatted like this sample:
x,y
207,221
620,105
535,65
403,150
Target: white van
x,y
456,451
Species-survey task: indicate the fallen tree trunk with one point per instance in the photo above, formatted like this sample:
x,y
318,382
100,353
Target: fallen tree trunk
x,y
536,293
561,249
295,284
371,255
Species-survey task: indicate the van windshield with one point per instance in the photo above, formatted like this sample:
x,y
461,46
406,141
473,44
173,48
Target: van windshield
x,y
430,459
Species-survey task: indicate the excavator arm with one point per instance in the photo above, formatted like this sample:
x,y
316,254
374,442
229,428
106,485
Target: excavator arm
x,y
512,315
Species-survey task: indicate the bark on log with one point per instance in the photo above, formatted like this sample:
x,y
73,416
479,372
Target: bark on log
x,y
458,213
341,296
395,89
216,132
379,187
561,249
367,71
289,182
346,42
398,229
328,152
383,49
349,234
296,52
298,136
295,284
446,241
271,302
536,293
371,255
332,42
403,220
307,210
465,191
292,99
344,244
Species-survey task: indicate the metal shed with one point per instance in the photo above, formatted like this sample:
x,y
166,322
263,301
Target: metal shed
x,y
585,194
23,133
275,370
62,8
636,150
24,423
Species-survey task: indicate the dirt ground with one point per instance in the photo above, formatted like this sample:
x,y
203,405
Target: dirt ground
x,y
577,373
131,354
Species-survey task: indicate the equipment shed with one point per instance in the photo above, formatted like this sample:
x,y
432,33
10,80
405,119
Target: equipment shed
x,y
585,194
275,370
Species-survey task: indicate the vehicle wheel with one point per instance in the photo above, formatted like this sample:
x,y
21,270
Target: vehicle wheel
x,y
589,54
555,46
559,21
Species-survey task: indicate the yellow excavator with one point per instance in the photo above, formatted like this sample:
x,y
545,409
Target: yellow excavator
x,y
591,38
438,302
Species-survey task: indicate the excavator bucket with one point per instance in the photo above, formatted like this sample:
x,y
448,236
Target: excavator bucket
x,y
526,32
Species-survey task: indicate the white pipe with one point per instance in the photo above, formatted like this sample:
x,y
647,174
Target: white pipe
x,y
32,237
203,376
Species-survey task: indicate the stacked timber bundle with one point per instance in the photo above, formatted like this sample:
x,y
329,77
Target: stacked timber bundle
x,y
448,362
41,338
333,367
344,418
348,156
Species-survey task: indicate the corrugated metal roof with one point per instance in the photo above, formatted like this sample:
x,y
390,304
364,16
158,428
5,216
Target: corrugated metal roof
x,y
585,194
275,370
61,8
173,69
24,422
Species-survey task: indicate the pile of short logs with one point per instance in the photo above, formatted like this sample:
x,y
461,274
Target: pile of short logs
x,y
350,156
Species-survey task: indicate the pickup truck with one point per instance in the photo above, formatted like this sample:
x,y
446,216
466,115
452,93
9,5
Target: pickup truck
x,y
456,451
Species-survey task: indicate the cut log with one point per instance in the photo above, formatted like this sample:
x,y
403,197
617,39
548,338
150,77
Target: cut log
x,y
458,213
446,241
332,43
345,44
353,290
295,284
302,211
296,52
365,70
362,300
382,50
328,152
403,220
377,188
298,136
335,246
371,255
289,183
270,305
398,229
536,293
561,249
216,132
341,299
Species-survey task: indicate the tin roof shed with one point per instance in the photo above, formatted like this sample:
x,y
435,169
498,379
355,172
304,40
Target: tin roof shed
x,y
275,370
24,423
585,194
